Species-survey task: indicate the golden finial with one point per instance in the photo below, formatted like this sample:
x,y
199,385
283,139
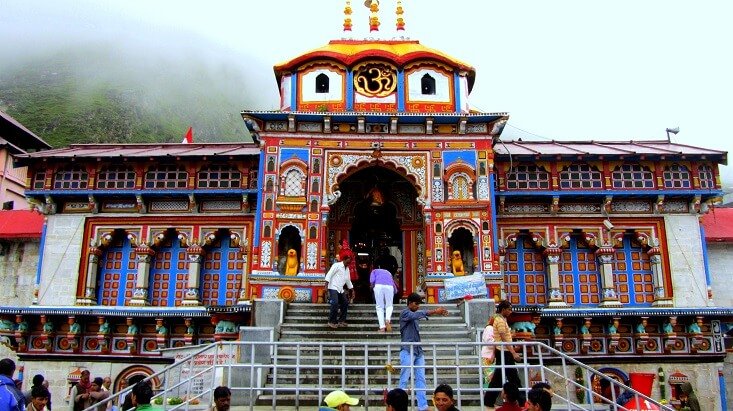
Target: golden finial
x,y
347,16
400,20
374,17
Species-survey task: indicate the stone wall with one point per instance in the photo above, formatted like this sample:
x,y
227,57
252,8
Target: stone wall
x,y
686,260
18,265
61,259
720,261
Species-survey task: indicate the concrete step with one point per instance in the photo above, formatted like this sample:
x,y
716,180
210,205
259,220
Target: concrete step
x,y
375,400
377,353
352,318
324,335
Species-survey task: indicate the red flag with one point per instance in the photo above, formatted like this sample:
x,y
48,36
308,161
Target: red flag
x,y
189,137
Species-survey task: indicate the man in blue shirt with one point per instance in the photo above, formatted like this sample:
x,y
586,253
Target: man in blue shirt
x,y
10,396
412,355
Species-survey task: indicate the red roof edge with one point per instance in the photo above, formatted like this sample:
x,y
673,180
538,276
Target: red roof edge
x,y
16,224
718,225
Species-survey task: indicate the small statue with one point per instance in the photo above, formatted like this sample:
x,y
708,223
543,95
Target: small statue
x,y
612,328
668,329
584,329
75,328
694,329
225,327
641,328
524,326
23,326
6,325
457,263
291,263
48,327
556,330
376,196
161,330
104,328
132,329
190,330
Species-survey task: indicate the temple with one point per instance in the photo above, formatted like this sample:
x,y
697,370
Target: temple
x,y
375,149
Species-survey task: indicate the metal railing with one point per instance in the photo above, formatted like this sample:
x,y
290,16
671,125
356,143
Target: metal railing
x,y
300,374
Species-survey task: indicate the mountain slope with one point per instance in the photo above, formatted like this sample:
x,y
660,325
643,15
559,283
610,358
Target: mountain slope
x,y
100,95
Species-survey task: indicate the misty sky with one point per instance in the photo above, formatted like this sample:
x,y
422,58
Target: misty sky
x,y
564,70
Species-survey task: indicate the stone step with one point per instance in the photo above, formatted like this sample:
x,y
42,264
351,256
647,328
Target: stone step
x,y
322,335
370,327
374,399
369,319
463,352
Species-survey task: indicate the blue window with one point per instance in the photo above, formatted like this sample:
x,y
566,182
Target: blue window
x,y
580,278
169,273
525,276
632,274
221,276
117,273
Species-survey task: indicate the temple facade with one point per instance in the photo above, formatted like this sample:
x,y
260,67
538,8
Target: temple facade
x,y
374,151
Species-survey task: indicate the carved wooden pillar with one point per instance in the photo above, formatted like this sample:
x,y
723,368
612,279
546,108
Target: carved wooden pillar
x,y
243,294
609,297
613,335
144,257
585,334
552,255
660,295
90,278
195,256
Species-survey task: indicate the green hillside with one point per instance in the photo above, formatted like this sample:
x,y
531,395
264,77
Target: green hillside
x,y
95,96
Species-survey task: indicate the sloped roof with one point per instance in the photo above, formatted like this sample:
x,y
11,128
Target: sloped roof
x,y
146,150
718,225
400,52
18,138
604,148
20,224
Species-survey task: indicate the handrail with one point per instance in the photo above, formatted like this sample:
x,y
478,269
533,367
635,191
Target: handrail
x,y
170,367
312,360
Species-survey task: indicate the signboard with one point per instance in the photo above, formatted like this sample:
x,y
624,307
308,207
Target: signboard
x,y
459,287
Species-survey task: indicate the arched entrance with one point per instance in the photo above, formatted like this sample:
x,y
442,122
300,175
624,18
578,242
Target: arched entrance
x,y
461,239
378,214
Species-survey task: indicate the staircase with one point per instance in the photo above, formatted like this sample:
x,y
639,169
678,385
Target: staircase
x,y
309,359
342,366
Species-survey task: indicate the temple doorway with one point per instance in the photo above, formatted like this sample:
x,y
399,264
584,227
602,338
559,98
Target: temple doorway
x,y
461,240
378,215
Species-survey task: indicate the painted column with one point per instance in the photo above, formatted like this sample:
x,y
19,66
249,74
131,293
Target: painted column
x,y
144,257
660,295
609,297
502,258
195,255
243,292
552,255
90,288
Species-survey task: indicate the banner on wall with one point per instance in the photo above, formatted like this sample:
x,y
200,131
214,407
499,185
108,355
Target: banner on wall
x,y
459,287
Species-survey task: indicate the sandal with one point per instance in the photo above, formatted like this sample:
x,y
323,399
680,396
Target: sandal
x,y
381,330
389,327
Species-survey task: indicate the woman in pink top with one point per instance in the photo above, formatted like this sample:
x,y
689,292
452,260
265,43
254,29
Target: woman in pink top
x,y
384,289
487,350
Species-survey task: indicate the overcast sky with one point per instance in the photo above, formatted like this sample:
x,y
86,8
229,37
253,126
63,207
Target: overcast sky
x,y
564,70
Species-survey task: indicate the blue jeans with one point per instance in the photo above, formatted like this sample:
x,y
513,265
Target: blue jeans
x,y
337,300
419,362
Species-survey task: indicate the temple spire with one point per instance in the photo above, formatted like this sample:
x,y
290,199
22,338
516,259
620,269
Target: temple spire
x,y
374,15
400,20
347,16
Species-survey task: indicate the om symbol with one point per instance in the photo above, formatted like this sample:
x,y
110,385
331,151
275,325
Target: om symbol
x,y
375,80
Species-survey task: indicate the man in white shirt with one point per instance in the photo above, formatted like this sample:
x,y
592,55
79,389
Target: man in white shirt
x,y
336,278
